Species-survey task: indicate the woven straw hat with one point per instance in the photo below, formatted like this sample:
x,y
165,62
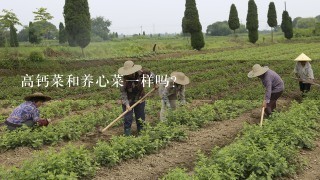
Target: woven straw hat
x,y
303,57
257,70
37,95
181,78
129,68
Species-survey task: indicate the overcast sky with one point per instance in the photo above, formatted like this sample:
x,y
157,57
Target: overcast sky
x,y
160,16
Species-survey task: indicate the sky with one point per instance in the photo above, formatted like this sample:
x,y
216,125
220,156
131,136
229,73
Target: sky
x,y
160,16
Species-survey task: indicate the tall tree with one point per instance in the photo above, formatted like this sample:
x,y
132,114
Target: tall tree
x,y
13,36
100,27
272,18
252,22
77,22
8,20
234,22
191,24
190,21
62,34
286,25
41,15
33,37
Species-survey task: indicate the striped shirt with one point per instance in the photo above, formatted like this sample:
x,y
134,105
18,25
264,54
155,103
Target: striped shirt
x,y
24,112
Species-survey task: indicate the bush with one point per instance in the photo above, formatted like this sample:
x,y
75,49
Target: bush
x,y
36,56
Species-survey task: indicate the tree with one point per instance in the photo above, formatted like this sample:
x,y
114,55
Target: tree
x,y
233,22
62,34
41,15
190,21
286,25
306,23
197,40
23,35
9,18
318,18
45,29
33,37
13,36
7,21
272,18
2,35
295,21
77,21
100,27
252,22
222,29
191,24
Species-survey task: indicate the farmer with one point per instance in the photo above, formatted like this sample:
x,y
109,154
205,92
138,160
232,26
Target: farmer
x,y
131,92
28,113
172,90
304,72
273,84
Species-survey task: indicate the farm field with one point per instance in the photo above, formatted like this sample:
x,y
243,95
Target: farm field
x,y
220,118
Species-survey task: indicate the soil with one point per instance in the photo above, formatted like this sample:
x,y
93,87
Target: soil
x,y
179,154
311,170
183,154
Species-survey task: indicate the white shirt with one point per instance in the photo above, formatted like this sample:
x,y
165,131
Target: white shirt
x,y
305,72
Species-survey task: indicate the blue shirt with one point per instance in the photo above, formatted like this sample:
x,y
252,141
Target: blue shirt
x,y
24,112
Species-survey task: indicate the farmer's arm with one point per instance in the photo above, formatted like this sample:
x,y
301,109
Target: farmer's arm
x,y
182,95
124,96
268,86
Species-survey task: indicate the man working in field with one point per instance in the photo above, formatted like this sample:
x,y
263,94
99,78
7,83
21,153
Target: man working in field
x,y
273,84
171,91
28,113
131,92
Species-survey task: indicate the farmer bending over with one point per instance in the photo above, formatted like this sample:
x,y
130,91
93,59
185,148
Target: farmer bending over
x,y
171,91
28,113
273,84
304,72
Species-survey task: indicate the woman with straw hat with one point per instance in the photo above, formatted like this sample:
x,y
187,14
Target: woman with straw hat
x,y
304,72
28,113
273,84
172,90
131,92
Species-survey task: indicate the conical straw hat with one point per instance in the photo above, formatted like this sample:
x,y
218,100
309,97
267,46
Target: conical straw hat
x,y
303,57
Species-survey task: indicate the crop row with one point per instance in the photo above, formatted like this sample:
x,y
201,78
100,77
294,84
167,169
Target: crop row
x,y
262,153
56,165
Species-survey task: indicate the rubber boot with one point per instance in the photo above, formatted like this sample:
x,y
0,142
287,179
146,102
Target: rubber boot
x,y
127,132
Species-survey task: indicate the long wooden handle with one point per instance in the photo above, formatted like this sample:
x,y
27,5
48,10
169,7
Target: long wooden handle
x,y
125,112
262,115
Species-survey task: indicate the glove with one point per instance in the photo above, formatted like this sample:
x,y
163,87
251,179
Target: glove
x,y
43,122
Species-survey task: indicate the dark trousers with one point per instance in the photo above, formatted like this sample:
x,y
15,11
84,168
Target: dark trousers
x,y
273,103
12,127
304,87
138,113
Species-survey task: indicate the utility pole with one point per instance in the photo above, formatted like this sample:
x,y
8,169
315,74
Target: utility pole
x,y
141,29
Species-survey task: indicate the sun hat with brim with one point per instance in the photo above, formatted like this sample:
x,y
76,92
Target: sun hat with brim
x,y
37,95
303,57
257,70
180,78
129,68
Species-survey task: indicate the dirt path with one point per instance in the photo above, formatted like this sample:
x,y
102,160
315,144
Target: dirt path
x,y
311,171
181,154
